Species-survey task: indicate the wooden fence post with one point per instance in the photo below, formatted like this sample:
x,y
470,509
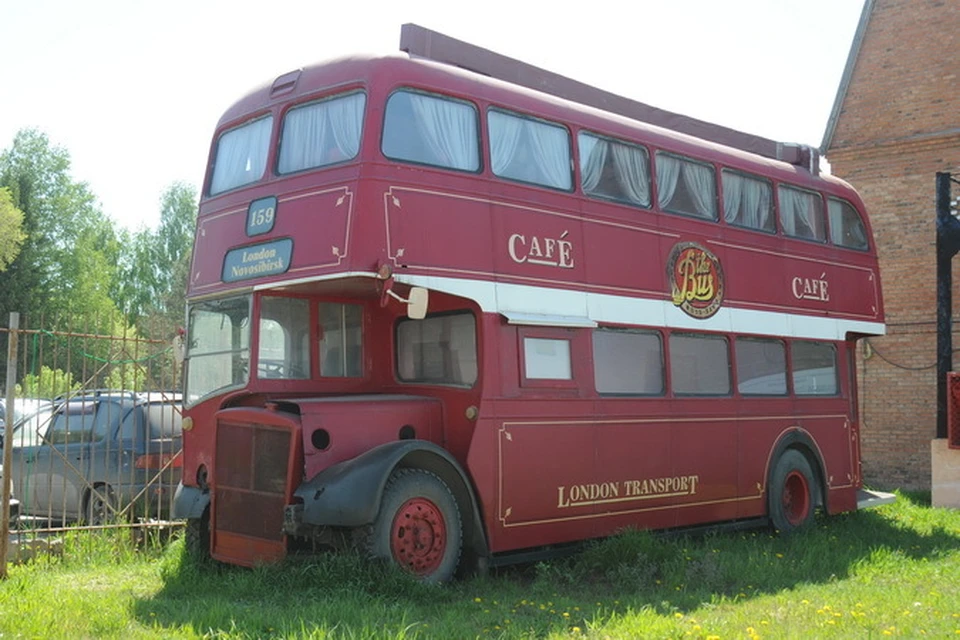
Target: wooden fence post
x,y
8,440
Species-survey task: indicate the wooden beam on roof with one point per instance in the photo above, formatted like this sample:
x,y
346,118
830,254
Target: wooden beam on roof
x,y
420,42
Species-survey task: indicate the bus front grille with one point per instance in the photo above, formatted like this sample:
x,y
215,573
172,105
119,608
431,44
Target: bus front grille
x,y
250,490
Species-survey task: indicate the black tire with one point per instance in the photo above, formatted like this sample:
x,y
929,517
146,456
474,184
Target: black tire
x,y
792,496
197,538
101,506
418,527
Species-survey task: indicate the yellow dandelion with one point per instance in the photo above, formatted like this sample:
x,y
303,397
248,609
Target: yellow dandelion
x,y
804,601
779,555
566,614
575,629
477,600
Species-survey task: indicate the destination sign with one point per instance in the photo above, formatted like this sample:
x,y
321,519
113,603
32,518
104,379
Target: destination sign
x,y
257,260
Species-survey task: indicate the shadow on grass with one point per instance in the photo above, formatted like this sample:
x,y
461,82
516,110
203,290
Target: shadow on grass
x,y
345,594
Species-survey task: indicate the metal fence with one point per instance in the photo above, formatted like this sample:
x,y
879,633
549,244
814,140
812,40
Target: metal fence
x,y
91,433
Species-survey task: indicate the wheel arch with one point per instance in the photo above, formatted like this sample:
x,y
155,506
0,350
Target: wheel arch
x,y
800,440
348,494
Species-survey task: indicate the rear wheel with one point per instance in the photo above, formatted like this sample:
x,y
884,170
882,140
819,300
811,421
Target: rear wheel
x,y
793,488
418,526
101,506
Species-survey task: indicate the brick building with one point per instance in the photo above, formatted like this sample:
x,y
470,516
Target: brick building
x,y
894,125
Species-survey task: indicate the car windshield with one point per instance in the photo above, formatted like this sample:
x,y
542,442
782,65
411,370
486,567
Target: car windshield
x,y
218,346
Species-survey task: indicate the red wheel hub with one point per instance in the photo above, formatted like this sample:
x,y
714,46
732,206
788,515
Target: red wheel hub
x,y
796,498
418,536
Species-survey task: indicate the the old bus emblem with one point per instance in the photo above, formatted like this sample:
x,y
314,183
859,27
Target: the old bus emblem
x,y
696,280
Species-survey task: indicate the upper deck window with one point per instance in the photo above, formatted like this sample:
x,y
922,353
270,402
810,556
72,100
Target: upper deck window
x,y
801,214
685,186
529,150
431,130
241,155
614,170
321,133
846,227
748,202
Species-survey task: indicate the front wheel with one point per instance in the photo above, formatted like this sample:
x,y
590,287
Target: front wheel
x,y
197,538
792,490
418,526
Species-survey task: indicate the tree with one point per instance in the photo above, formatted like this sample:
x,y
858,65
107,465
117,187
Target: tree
x,y
66,236
11,229
154,265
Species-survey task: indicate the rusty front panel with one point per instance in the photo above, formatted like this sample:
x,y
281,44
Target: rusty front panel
x,y
250,492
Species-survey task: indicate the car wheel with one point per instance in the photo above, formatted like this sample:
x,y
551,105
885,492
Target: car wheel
x,y
792,491
101,506
418,526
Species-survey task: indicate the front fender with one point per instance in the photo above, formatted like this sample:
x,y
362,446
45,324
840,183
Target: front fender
x,y
189,502
348,493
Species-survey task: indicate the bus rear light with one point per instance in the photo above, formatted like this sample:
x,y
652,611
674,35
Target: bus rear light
x,y
159,460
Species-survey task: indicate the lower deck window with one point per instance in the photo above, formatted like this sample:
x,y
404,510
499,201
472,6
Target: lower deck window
x,y
341,330
628,362
814,369
438,350
284,338
699,365
761,367
546,359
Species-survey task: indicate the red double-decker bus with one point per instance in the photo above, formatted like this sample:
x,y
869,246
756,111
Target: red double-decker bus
x,y
460,322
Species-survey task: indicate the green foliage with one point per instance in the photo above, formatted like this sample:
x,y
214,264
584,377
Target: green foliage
x,y
127,376
65,266
154,265
11,229
49,383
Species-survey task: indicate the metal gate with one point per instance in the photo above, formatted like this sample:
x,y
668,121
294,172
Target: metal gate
x,y
93,440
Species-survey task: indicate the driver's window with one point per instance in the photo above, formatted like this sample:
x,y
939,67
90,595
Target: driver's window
x,y
284,338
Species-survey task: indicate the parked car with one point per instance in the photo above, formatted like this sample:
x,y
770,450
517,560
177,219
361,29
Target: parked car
x,y
98,456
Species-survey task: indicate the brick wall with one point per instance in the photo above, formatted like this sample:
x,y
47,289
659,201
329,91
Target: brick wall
x,y
899,125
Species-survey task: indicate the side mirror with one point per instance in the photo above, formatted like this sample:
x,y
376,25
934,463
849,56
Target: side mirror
x,y
417,303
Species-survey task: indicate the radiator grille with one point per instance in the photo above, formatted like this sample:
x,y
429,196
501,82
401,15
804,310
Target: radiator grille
x,y
251,476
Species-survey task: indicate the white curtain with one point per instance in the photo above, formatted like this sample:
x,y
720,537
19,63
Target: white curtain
x,y
698,180
668,174
593,155
632,173
450,130
321,133
799,215
241,155
304,140
504,138
346,121
551,151
746,202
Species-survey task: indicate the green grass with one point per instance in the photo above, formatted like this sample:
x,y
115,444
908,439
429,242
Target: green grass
x,y
893,571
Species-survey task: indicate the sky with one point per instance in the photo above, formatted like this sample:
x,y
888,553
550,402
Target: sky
x,y
133,89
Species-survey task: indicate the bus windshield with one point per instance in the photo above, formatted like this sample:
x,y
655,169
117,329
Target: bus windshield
x,y
218,355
